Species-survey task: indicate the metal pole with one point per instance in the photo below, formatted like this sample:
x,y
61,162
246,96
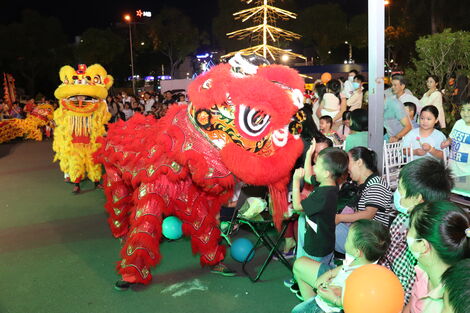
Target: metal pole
x,y
132,59
376,26
265,22
388,25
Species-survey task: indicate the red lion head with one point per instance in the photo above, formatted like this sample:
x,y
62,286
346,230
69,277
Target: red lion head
x,y
244,108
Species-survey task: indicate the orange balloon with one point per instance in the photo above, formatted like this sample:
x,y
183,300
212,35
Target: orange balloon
x,y
373,288
325,77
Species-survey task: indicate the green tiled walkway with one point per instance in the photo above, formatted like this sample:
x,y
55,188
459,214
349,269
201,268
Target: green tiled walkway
x,y
58,256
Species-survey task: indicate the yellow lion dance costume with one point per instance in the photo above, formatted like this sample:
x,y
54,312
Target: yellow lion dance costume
x,y
80,119
30,127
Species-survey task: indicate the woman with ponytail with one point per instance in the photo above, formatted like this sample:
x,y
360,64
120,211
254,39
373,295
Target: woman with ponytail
x,y
374,201
438,238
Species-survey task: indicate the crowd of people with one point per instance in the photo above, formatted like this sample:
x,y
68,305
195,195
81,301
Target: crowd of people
x,y
415,230
20,109
347,211
123,106
340,112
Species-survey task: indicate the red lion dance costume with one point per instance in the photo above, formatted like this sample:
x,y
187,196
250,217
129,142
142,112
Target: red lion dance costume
x,y
187,163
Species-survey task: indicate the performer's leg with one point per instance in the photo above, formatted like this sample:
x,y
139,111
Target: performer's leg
x,y
77,167
94,170
141,249
204,231
118,202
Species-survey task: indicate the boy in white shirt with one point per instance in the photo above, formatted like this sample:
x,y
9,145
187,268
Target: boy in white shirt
x,y
459,142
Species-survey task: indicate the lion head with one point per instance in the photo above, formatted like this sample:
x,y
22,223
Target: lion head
x,y
244,108
82,90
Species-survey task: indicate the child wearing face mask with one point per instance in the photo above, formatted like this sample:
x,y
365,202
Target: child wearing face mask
x,y
367,241
438,238
425,179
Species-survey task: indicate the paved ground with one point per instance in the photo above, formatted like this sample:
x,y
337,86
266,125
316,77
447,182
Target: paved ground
x,y
58,256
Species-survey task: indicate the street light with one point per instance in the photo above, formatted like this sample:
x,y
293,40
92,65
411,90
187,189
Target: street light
x,y
285,58
350,59
128,19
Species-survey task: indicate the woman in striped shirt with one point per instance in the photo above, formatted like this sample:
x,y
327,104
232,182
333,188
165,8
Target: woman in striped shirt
x,y
374,198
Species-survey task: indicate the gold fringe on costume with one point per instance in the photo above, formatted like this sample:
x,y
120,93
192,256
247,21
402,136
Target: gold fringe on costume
x,y
76,158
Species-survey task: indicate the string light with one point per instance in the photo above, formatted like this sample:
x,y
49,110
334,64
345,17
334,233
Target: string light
x,y
264,15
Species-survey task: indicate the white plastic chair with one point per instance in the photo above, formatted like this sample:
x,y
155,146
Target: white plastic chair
x,y
341,146
395,156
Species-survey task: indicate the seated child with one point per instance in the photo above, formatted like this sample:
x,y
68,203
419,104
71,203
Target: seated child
x,y
326,123
426,140
421,180
459,142
410,108
344,129
456,283
437,239
359,124
367,241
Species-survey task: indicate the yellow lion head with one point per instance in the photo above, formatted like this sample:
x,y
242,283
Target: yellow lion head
x,y
83,89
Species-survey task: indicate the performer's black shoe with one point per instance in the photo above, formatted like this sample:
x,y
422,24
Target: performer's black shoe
x,y
122,285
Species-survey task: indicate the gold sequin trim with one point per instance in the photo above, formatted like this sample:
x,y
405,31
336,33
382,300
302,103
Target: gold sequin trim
x,y
188,146
151,170
175,166
142,191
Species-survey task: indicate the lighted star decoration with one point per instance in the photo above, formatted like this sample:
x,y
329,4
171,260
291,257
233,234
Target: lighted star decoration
x,y
139,13
264,15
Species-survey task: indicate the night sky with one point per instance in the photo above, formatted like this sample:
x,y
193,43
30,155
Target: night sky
x,y
77,16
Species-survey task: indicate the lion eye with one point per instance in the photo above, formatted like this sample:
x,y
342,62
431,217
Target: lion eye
x,y
97,79
207,84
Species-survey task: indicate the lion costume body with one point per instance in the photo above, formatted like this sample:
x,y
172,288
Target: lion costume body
x,y
30,127
187,163
80,120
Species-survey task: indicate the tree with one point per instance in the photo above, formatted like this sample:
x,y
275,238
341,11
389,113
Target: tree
x,y
173,34
440,54
31,48
224,23
324,26
357,31
99,46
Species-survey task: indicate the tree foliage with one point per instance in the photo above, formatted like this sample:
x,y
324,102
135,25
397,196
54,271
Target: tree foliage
x,y
225,23
99,46
323,26
173,34
31,48
440,54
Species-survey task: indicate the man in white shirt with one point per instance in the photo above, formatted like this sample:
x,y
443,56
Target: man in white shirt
x,y
125,98
348,88
148,102
403,94
355,101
